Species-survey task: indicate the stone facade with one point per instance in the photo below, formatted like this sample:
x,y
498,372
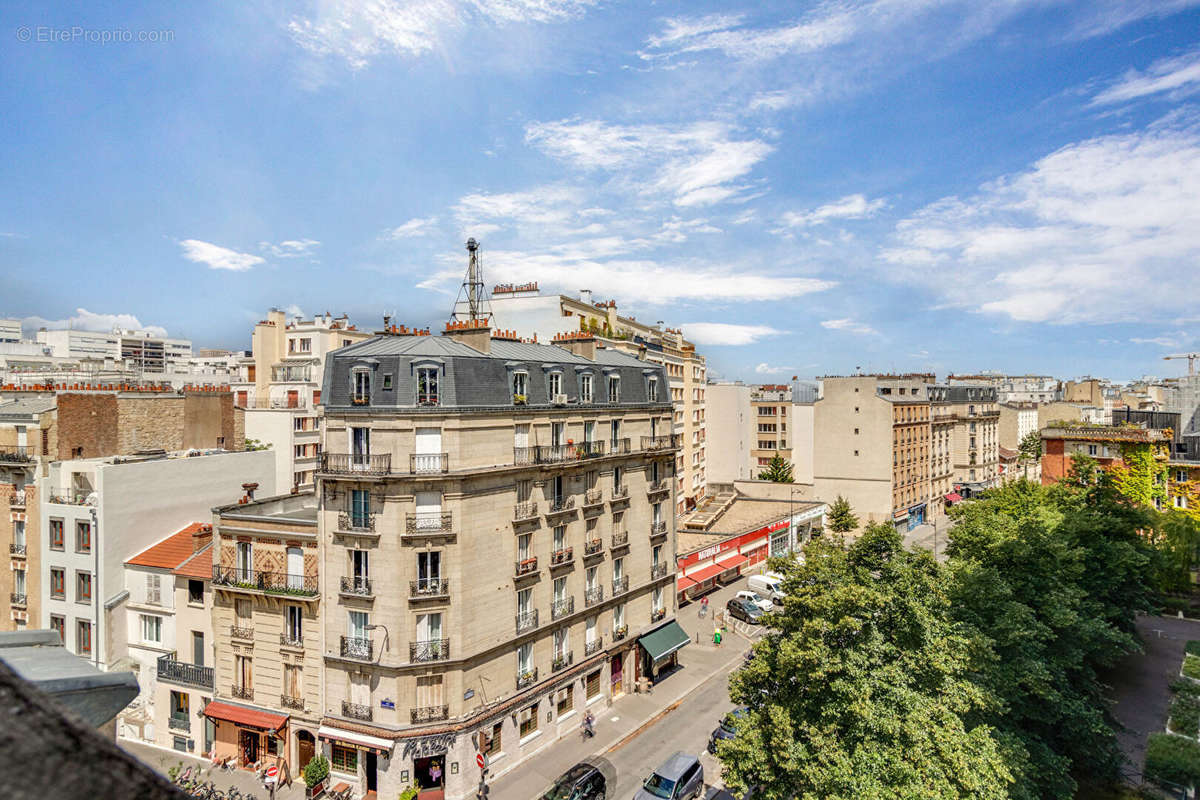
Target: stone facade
x,y
18,537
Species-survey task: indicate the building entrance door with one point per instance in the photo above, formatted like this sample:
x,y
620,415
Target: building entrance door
x,y
616,667
305,749
249,747
370,768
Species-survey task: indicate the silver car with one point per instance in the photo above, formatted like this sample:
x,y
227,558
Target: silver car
x,y
681,777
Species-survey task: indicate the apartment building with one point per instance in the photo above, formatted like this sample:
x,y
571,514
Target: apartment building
x,y
94,513
749,424
26,440
975,438
267,626
530,314
1107,445
144,351
168,619
1017,420
731,432
279,386
770,407
1021,389
499,548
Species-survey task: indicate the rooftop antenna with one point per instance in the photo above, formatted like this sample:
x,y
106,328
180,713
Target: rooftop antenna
x,y
478,304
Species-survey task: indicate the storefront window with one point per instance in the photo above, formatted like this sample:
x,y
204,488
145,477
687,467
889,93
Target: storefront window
x,y
344,759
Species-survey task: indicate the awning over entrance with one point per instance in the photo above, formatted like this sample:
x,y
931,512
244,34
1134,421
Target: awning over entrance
x,y
661,643
682,584
357,739
733,562
701,575
953,497
246,717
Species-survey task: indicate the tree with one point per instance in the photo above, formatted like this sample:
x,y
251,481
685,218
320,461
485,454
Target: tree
x,y
1177,540
841,517
255,444
860,689
779,470
1030,448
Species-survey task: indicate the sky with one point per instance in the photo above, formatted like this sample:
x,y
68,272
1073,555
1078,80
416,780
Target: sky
x,y
805,188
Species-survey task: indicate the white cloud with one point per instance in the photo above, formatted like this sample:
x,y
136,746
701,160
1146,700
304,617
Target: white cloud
x,y
294,311
853,206
1086,234
417,226
85,320
849,326
1168,341
827,26
766,369
696,164
356,32
1176,76
551,204
217,257
726,333
290,248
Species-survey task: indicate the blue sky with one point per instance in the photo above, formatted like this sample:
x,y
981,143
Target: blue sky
x,y
805,188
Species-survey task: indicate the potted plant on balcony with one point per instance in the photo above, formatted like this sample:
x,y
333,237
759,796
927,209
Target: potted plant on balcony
x,y
316,776
519,399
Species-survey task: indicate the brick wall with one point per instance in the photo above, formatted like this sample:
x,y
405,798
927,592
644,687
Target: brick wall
x,y
87,425
149,422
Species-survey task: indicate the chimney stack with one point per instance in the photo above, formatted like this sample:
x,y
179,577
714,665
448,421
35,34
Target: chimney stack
x,y
585,296
249,488
580,343
201,538
474,333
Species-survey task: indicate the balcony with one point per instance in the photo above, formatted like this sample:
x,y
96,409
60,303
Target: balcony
x,y
619,447
620,494
526,511
659,486
17,499
620,539
235,579
187,674
593,596
431,650
589,449
527,621
356,711
593,498
296,703
593,548
179,722
562,607
658,571
16,455
562,661
620,585
358,464
620,632
559,505
355,586
356,523
428,523
668,442
237,632
242,692
354,647
429,714
68,497
528,566
17,598
428,588
562,556
428,463
16,549
287,640
658,529
658,614
594,646
527,678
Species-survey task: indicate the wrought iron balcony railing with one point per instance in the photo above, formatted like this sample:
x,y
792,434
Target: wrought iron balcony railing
x,y
16,455
287,640
431,650
429,714
356,711
16,549
666,442
426,463
658,571
593,547
619,447
17,499
560,504
562,660
620,585
620,632
620,539
593,497
589,449
287,701
429,587
17,598
561,556
526,566
562,607
620,493
242,692
527,678
661,485
357,647
189,674
268,582
658,529
594,646
356,463
424,523
356,585
179,722
356,522
527,621
593,596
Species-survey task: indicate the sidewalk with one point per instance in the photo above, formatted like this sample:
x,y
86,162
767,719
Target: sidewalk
x,y
246,783
630,713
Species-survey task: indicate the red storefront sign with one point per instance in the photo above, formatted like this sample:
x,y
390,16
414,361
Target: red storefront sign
x,y
731,547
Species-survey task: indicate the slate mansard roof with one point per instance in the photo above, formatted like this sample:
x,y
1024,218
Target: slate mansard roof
x,y
470,379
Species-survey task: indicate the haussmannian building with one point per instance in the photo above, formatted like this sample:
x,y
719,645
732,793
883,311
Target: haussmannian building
x,y
498,544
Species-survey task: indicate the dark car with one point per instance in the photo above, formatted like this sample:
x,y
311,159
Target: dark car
x,y
580,782
725,730
745,610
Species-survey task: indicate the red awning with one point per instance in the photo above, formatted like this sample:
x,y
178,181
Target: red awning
x,y
733,562
249,717
953,497
683,584
705,573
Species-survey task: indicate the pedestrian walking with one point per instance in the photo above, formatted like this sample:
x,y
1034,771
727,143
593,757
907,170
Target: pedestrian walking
x,y
704,606
717,635
589,725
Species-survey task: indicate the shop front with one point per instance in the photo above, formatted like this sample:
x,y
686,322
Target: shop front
x,y
916,515
660,650
247,735
355,757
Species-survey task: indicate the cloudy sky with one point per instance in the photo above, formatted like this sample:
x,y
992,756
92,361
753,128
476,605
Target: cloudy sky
x,y
805,188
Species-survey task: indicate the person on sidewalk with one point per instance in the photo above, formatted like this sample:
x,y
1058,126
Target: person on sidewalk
x,y
589,725
717,635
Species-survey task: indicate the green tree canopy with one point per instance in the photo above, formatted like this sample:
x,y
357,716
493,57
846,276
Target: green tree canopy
x,y
862,688
779,470
841,518
1030,448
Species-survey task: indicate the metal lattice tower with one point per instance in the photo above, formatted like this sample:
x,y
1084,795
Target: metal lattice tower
x,y
479,305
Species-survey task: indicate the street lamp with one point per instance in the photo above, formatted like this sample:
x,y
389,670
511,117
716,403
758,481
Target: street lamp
x,y
386,635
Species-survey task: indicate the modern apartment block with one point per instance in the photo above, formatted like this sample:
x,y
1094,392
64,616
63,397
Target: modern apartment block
x,y
279,386
731,432
750,423
97,512
267,625
143,351
770,407
526,312
498,548
1017,420
168,619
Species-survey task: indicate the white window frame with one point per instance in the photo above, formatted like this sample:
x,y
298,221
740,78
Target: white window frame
x,y
151,623
585,388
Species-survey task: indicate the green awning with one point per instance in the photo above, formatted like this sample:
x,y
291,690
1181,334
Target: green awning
x,y
664,641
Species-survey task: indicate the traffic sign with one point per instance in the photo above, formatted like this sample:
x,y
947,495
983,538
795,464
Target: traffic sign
x,y
481,760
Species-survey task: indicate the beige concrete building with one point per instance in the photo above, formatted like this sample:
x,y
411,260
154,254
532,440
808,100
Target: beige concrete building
x,y
27,439
731,432
770,413
975,439
1017,420
528,313
498,548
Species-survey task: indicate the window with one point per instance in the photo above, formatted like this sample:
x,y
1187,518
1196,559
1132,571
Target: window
x,y
561,641
618,617
243,672
1092,450
528,720
560,589
83,587
520,387
387,381
652,389
154,590
56,534
58,624
198,648
614,389
151,629
58,584
525,659
293,681
1180,501
491,742
565,699
83,537
293,624
523,546
19,533
618,475
615,433
360,386
195,591
358,622
242,611
560,537
585,388
427,386
19,581
592,685
555,384
344,759
83,637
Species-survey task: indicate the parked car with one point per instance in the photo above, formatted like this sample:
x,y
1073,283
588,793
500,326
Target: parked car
x,y
769,586
725,730
580,782
743,609
764,603
681,777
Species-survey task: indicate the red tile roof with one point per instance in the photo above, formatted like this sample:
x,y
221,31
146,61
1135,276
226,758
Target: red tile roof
x,y
200,565
250,717
170,552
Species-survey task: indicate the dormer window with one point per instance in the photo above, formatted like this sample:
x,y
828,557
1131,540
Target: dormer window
x,y
555,382
520,388
585,388
360,386
427,386
652,389
614,389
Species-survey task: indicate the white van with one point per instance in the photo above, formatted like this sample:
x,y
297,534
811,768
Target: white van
x,y
769,585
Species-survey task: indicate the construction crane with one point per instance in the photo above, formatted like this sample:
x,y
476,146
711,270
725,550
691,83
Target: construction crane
x,y
1191,359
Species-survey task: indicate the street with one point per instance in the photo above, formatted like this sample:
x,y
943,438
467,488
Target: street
x,y
925,536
